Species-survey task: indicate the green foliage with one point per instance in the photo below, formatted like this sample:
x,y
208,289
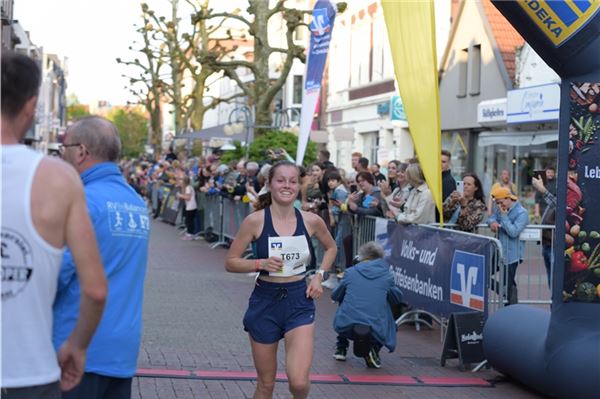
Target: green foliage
x,y
234,155
133,130
277,139
76,111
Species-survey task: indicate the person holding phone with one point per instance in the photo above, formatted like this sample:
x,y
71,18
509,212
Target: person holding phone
x,y
548,180
394,202
465,209
508,220
367,201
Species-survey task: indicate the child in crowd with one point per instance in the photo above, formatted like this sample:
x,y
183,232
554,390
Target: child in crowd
x,y
189,196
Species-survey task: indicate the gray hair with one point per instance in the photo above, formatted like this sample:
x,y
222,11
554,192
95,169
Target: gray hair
x,y
414,174
253,166
370,251
99,135
264,171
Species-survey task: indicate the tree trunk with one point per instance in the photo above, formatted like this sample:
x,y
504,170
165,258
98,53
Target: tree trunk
x,y
263,115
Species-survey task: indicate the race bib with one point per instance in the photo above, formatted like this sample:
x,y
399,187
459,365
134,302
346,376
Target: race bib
x,y
294,253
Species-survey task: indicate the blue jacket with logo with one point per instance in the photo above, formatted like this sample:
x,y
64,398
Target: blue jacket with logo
x,y
122,225
365,294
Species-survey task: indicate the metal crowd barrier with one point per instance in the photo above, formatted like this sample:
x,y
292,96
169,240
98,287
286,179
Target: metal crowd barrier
x,y
225,216
363,231
234,213
213,214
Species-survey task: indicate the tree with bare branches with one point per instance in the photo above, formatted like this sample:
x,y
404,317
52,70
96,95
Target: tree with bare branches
x,y
178,49
262,89
147,86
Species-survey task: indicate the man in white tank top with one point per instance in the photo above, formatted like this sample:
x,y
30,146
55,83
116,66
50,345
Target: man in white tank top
x,y
43,209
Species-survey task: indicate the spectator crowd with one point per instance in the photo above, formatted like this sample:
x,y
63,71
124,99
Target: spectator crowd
x,y
396,191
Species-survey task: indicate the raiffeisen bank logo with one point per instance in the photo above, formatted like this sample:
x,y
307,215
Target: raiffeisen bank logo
x,y
559,20
467,280
321,23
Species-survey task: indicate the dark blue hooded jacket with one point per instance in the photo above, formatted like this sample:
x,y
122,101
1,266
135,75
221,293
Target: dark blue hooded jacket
x,y
365,294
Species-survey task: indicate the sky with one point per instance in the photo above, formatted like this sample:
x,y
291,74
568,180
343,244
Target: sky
x,y
91,34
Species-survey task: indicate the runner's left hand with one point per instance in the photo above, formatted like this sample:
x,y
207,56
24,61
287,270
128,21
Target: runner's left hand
x,y
314,289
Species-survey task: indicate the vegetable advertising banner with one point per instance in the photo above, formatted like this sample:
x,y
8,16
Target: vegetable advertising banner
x,y
582,238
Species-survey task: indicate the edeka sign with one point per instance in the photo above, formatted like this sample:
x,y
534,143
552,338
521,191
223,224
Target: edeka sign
x,y
439,270
559,20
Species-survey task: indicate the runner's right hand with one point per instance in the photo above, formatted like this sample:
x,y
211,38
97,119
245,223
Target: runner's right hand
x,y
272,264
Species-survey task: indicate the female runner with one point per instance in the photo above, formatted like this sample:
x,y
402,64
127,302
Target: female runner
x,y
282,303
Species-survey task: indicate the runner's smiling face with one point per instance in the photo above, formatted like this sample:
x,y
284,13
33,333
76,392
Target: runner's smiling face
x,y
284,184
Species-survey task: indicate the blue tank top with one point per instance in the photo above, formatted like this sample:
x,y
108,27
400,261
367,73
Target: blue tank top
x,y
260,246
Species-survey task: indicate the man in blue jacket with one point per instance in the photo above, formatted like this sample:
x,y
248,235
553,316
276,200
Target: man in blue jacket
x,y
508,220
365,294
122,225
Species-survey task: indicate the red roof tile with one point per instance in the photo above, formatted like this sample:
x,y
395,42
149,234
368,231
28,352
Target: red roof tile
x,y
507,38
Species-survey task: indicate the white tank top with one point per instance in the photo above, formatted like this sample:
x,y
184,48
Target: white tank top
x,y
30,269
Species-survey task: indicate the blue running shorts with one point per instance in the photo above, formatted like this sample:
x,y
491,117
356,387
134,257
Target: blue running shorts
x,y
276,308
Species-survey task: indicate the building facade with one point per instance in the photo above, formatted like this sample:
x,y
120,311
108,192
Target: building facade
x,y
364,111
499,100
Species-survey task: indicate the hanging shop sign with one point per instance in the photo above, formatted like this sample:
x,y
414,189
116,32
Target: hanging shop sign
x,y
533,104
492,112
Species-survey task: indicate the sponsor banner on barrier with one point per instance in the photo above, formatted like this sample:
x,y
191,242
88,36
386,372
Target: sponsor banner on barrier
x,y
170,205
439,270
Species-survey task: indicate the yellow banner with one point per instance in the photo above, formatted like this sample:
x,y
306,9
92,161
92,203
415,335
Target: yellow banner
x,y
559,20
411,32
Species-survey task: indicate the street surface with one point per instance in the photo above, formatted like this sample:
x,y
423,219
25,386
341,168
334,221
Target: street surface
x,y
194,345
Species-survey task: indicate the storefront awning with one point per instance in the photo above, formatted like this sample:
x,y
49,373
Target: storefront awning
x,y
517,139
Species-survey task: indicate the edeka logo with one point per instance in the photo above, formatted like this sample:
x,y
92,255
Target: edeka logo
x,y
560,20
467,280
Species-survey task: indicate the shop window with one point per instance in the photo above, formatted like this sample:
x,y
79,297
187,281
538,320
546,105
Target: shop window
x,y
458,145
371,145
463,57
475,67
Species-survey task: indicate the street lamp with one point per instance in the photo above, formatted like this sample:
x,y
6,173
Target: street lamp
x,y
240,118
286,118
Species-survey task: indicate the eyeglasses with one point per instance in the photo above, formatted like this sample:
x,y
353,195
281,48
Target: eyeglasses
x,y
62,147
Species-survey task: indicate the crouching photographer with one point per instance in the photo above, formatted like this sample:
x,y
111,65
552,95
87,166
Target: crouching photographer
x,y
364,315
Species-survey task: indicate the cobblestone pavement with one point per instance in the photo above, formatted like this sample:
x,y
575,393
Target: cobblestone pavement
x,y
192,321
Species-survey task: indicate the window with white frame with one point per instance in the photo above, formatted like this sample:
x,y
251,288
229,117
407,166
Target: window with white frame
x,y
474,69
463,58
